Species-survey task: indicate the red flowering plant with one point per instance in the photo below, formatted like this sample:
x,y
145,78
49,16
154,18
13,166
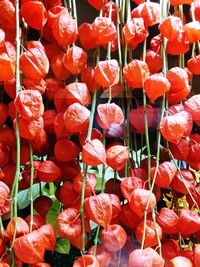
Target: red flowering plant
x,y
99,133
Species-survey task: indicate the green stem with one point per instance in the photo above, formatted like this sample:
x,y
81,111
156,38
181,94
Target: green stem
x,y
15,185
31,187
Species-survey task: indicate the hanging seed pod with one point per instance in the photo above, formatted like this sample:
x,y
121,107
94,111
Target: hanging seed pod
x,y
129,218
189,222
174,127
165,174
193,65
106,73
113,237
29,129
7,13
135,32
99,209
76,118
49,118
34,62
156,86
170,27
188,178
150,237
138,201
154,61
103,256
22,228
170,249
75,59
38,221
179,45
149,11
48,233
77,93
66,150
60,72
117,156
87,40
67,190
96,134
103,30
135,73
180,261
87,76
128,184
94,153
140,257
69,223
48,171
192,31
34,14
42,204
5,154
109,114
168,221
86,261
7,62
64,29
91,182
192,105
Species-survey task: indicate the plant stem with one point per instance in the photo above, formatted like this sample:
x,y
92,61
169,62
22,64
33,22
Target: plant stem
x,y
31,187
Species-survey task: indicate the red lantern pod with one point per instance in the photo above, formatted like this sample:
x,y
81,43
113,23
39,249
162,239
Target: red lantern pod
x,y
158,261
10,88
3,113
42,204
29,129
193,65
77,242
4,192
178,78
171,27
117,156
197,256
136,117
192,31
174,127
38,221
129,184
192,105
151,236
175,96
5,154
106,73
94,153
29,104
96,134
99,209
49,118
64,29
168,221
189,222
103,256
109,114
135,73
7,66
76,118
87,40
180,261
60,102
48,171
179,45
170,249
59,126
135,32
52,86
149,11
34,246
75,59
66,150
9,175
58,68
54,12
97,4
87,76
86,261
129,218
165,174
156,86
34,62
69,223
154,61
140,257
91,182
139,199
7,13
67,190
195,194
106,9
77,93
177,183
116,206
156,43
34,14
22,228
113,237
24,153
103,30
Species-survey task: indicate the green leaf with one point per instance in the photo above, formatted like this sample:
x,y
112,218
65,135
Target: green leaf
x,y
62,246
23,197
53,212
